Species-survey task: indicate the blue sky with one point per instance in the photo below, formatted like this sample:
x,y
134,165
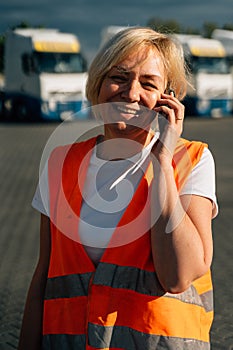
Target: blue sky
x,y
86,18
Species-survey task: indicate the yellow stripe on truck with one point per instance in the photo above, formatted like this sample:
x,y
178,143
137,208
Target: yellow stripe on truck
x,y
52,46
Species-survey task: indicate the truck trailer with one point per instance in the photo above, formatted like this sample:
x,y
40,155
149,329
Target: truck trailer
x,y
45,74
210,91
211,88
226,38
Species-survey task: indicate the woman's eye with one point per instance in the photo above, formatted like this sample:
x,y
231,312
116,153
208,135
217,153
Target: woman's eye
x,y
118,78
150,85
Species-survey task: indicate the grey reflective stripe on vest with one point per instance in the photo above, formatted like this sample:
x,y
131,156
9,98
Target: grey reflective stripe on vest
x,y
124,277
63,342
146,282
67,286
127,338
115,276
208,300
192,297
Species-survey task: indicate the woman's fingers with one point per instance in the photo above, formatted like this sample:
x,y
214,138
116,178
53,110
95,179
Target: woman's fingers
x,y
172,107
171,116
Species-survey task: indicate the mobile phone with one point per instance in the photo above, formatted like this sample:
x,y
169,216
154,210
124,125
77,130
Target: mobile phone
x,y
171,92
158,118
161,120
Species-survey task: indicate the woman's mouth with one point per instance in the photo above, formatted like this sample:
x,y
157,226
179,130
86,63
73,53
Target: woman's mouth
x,y
127,114
126,111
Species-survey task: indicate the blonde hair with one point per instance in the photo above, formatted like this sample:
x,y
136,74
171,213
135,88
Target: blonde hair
x,y
131,40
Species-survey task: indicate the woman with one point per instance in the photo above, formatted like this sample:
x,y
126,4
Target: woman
x,y
126,241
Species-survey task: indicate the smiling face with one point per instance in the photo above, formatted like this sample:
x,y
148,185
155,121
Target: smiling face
x,y
132,88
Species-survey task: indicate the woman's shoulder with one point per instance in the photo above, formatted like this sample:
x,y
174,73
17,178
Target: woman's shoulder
x,y
191,143
72,149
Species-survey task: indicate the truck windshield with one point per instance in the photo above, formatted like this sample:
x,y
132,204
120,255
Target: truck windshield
x,y
211,65
53,62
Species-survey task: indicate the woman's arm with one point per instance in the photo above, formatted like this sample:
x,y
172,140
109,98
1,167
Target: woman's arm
x,y
31,330
181,235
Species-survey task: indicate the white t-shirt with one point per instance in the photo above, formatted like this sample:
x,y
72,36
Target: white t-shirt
x,y
109,187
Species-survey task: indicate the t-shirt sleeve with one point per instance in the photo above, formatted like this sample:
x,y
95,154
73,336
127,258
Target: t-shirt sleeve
x,y
201,181
40,200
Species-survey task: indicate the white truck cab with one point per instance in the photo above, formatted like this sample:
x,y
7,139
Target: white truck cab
x,y
226,38
45,75
211,89
212,86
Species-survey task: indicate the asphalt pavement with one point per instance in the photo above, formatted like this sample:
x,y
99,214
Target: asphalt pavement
x,y
21,150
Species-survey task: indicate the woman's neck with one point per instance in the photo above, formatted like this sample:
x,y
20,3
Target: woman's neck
x,y
116,146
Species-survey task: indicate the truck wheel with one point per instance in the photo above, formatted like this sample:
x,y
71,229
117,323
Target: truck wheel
x,y
1,107
1,110
21,112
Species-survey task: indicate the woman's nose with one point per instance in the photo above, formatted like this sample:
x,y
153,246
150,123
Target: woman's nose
x,y
131,91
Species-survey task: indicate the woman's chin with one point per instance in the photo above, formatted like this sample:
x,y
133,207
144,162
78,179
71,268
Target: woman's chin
x,y
127,128
121,125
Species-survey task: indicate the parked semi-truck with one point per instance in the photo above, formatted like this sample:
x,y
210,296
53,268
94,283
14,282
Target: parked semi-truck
x,y
44,75
226,38
211,90
212,85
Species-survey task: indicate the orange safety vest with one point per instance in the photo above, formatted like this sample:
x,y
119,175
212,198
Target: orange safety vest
x,y
119,304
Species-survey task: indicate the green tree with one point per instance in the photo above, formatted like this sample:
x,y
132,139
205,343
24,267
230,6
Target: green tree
x,y
23,24
2,45
208,28
228,26
191,30
169,25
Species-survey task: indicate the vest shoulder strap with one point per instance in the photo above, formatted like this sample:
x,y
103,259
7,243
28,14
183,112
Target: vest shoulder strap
x,y
187,154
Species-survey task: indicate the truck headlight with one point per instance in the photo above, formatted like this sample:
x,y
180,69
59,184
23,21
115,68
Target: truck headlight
x,y
203,105
44,108
52,105
229,105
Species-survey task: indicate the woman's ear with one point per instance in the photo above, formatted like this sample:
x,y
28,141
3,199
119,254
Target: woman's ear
x,y
172,92
169,91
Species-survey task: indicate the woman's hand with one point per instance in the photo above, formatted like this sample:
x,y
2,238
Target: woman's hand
x,y
181,236
171,117
31,330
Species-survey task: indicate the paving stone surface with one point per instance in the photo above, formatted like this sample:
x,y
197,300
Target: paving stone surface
x,y
21,148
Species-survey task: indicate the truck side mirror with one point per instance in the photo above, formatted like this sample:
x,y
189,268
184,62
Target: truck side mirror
x,y
27,64
84,64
